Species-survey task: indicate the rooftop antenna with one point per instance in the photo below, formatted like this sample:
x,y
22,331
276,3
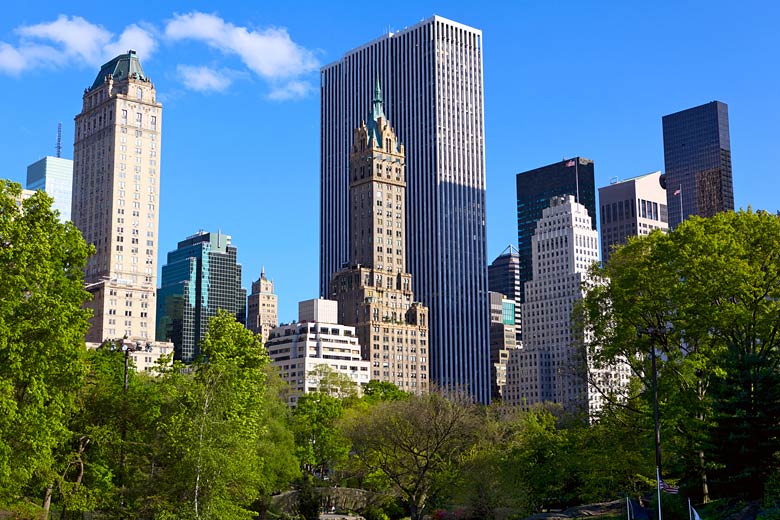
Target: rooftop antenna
x,y
59,140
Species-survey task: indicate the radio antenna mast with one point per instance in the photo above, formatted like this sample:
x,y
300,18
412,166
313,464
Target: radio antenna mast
x,y
59,139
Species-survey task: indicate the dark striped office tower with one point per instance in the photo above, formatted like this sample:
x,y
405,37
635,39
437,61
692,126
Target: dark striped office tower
x,y
697,156
535,189
431,76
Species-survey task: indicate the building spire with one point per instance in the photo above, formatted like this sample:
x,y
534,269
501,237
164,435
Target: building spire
x,y
377,111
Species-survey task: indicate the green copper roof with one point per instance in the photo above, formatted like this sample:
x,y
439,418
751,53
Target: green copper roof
x,y
122,67
377,111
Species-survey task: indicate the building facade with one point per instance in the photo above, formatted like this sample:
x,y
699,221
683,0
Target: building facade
x,y
202,276
697,157
504,278
502,340
432,77
553,365
374,291
633,207
535,189
299,350
262,307
116,185
54,175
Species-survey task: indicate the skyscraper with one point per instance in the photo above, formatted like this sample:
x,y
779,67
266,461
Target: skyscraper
x,y
632,207
697,155
552,366
54,175
116,186
504,278
535,189
202,276
375,291
431,74
262,307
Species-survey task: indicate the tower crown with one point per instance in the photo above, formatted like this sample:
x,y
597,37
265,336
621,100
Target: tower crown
x,y
122,67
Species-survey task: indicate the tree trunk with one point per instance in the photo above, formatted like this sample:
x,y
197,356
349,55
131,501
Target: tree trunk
x,y
705,490
47,501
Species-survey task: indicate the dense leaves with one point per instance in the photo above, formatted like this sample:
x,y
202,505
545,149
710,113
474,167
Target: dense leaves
x,y
42,328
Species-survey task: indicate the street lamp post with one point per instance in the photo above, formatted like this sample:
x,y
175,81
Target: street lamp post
x,y
655,333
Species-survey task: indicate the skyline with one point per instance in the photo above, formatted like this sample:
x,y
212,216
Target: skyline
x,y
608,110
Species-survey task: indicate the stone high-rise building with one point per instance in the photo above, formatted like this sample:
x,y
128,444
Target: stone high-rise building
x,y
301,350
202,277
116,185
262,307
374,291
431,74
535,188
633,207
697,155
552,366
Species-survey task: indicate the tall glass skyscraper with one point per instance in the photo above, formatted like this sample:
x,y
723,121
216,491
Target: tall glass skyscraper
x,y
535,189
697,156
201,277
431,74
54,175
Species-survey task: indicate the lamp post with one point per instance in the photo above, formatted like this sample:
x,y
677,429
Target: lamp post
x,y
655,333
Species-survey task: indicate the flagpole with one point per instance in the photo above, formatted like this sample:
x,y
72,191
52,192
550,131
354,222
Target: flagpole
x,y
690,514
628,508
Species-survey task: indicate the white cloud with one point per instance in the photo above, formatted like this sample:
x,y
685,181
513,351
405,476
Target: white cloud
x,y
203,79
291,90
69,40
133,37
269,53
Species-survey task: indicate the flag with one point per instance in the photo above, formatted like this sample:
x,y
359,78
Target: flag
x,y
677,191
695,514
666,488
570,163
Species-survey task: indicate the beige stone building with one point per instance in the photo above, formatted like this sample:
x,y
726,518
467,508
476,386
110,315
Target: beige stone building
x,y
116,185
375,291
262,307
301,350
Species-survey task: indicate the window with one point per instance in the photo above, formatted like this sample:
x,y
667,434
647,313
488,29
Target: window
x,y
139,93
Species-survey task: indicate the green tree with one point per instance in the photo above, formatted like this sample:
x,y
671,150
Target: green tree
x,y
320,447
376,391
708,293
416,443
214,426
42,329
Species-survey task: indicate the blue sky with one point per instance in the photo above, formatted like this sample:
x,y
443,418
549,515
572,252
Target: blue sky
x,y
238,82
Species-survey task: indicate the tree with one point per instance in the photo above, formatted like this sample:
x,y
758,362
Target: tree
x,y
42,329
416,444
376,391
214,422
709,293
319,444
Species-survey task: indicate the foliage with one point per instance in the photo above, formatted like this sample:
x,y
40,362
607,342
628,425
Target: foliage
x,y
319,445
707,298
213,426
416,443
42,329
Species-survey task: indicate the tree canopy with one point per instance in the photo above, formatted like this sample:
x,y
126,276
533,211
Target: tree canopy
x,y
707,297
42,329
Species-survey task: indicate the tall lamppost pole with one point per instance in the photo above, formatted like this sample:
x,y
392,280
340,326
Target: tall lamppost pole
x,y
654,333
